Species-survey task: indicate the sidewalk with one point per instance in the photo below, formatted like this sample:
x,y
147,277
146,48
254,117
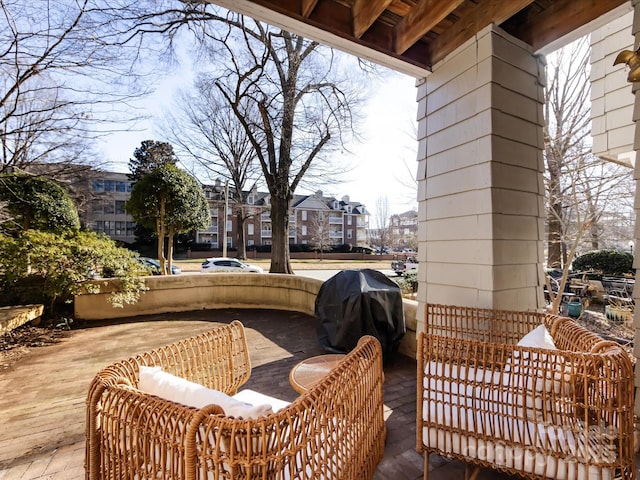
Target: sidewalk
x,y
42,407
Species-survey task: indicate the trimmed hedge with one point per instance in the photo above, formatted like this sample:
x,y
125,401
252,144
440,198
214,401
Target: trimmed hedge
x,y
606,262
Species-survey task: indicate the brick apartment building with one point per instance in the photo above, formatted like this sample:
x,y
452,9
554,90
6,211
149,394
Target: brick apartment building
x,y
347,221
404,229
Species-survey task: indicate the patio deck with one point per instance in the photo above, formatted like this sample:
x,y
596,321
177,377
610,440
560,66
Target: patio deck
x,y
42,407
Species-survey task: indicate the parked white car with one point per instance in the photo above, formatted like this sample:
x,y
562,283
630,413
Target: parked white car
x,y
223,264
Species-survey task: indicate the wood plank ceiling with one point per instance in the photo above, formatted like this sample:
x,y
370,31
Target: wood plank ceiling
x,y
422,32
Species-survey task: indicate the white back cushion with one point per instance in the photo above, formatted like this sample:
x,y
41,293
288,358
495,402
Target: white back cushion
x,y
155,381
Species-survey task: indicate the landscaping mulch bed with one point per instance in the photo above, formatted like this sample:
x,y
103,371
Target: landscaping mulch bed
x,y
22,340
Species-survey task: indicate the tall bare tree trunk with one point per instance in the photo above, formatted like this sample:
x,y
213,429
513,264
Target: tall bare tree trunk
x,y
242,249
555,226
280,257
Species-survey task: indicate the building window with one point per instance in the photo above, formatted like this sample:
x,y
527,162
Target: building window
x,y
349,233
131,229
349,220
121,187
96,205
304,215
229,225
250,229
120,207
250,243
250,200
129,187
207,194
98,185
109,186
304,230
229,211
120,228
99,226
108,207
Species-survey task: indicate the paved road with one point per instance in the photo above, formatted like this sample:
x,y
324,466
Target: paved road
x,y
326,274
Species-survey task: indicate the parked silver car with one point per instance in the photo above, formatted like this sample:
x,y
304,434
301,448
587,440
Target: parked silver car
x,y
223,264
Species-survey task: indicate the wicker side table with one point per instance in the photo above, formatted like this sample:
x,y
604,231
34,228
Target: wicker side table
x,y
310,371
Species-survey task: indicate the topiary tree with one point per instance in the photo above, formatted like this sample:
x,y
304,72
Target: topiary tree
x,y
169,201
150,155
51,267
606,262
35,202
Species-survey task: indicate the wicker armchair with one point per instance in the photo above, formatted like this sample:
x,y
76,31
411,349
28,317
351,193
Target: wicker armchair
x,y
482,399
334,431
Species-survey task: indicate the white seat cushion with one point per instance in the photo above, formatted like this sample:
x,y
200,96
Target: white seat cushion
x,y
257,398
155,381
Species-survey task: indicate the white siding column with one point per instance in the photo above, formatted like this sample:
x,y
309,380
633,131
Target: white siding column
x,y
481,209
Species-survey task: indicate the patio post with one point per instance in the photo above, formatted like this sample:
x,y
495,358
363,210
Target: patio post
x,y
480,176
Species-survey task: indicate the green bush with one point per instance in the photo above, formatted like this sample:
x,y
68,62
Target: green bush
x,y
606,262
50,268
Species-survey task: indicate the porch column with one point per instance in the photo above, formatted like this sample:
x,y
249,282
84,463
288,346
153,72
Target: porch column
x,y
481,210
636,175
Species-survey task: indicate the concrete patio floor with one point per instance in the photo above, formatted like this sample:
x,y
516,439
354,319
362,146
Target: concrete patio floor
x,y
42,405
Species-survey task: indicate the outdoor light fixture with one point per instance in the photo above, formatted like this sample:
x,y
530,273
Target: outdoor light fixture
x,y
633,60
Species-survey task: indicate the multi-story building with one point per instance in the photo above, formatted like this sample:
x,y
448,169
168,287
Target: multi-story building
x,y
106,213
315,215
346,221
404,228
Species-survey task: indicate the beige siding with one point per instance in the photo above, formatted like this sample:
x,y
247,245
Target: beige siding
x,y
611,95
480,176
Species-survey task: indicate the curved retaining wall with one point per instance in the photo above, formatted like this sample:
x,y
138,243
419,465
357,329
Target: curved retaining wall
x,y
181,293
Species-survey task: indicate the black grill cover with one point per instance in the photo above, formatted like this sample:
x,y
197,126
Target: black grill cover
x,y
354,303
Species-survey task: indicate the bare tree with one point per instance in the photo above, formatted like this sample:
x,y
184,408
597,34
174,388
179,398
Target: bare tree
x,y
566,129
581,188
287,83
294,98
381,235
319,230
58,61
203,126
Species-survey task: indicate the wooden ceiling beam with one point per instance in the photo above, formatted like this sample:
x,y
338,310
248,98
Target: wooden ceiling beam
x,y
561,18
475,19
425,15
306,7
365,13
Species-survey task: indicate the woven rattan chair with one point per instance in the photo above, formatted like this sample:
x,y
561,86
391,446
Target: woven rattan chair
x,y
334,431
561,414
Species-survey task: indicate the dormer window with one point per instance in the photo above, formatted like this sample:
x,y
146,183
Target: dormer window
x,y
336,205
250,200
